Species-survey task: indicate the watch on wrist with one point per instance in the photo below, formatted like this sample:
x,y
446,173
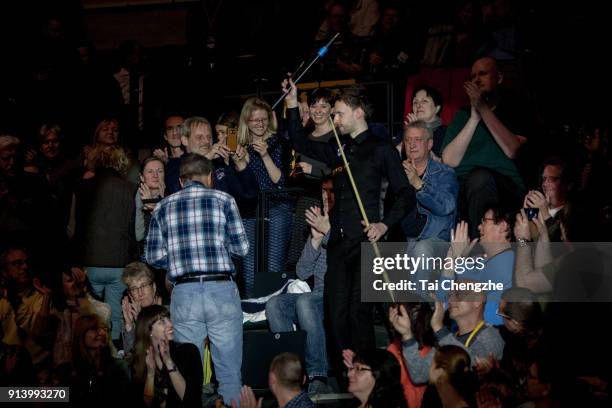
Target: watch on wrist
x,y
522,242
172,369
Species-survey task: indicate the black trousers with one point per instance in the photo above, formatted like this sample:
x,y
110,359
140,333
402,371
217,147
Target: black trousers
x,y
483,187
350,320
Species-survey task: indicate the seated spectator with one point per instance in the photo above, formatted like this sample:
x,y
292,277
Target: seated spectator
x,y
477,337
70,299
141,292
451,373
435,184
105,232
151,190
27,296
426,107
98,379
582,273
550,200
481,144
285,381
374,379
521,375
495,231
421,313
164,372
306,309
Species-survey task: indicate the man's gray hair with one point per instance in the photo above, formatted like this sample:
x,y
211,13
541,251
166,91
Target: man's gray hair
x,y
420,124
194,165
193,122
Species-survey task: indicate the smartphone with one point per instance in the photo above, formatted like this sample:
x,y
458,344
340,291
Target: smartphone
x,y
232,139
531,213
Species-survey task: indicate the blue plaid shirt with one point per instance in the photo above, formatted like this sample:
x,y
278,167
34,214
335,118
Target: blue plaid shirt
x,y
195,230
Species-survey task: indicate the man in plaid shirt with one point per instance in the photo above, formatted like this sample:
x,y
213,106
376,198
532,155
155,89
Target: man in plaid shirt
x,y
193,234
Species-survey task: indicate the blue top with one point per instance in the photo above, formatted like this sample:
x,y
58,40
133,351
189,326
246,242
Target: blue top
x,y
497,269
256,164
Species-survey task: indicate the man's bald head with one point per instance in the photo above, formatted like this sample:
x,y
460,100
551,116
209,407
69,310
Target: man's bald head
x,y
486,75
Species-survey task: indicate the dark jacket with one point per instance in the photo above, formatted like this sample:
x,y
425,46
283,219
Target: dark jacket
x,y
105,213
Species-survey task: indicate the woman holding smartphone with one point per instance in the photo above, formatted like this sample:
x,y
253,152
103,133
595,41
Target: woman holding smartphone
x,y
262,151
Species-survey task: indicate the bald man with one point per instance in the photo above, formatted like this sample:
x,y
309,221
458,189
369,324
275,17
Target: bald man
x,y
482,142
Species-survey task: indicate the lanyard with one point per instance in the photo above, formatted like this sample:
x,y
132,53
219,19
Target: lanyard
x,y
478,327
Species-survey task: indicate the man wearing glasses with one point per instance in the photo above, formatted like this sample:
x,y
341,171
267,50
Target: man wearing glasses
x,y
478,338
141,292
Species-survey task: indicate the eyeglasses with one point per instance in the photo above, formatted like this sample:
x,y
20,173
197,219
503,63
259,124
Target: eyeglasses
x,y
358,369
255,121
485,219
136,289
500,314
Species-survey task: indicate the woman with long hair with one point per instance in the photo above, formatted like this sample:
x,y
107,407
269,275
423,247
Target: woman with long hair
x,y
263,155
164,373
451,373
420,315
97,378
374,379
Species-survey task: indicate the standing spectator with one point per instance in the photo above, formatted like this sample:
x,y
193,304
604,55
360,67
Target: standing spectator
x,y
263,154
151,190
105,238
192,235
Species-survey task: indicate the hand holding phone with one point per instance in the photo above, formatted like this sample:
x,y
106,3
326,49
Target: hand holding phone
x,y
531,213
232,139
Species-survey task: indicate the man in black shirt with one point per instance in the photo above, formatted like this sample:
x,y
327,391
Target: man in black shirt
x,y
371,160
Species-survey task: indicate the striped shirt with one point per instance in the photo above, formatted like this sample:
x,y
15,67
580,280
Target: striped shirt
x,y
195,230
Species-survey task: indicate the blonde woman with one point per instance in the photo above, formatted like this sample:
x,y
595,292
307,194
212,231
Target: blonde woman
x,y
262,153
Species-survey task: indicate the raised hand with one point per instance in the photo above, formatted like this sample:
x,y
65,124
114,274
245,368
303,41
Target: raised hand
x,y
261,147
412,173
319,222
247,399
411,117
347,357
161,155
437,318
150,360
460,241
400,319
473,92
521,226
291,98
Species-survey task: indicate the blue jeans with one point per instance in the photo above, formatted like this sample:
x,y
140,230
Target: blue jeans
x,y
305,310
212,309
107,285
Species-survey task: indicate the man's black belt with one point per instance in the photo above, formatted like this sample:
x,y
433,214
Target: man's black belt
x,y
210,277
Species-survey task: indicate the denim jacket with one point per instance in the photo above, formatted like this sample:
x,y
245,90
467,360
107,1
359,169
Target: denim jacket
x,y
437,200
